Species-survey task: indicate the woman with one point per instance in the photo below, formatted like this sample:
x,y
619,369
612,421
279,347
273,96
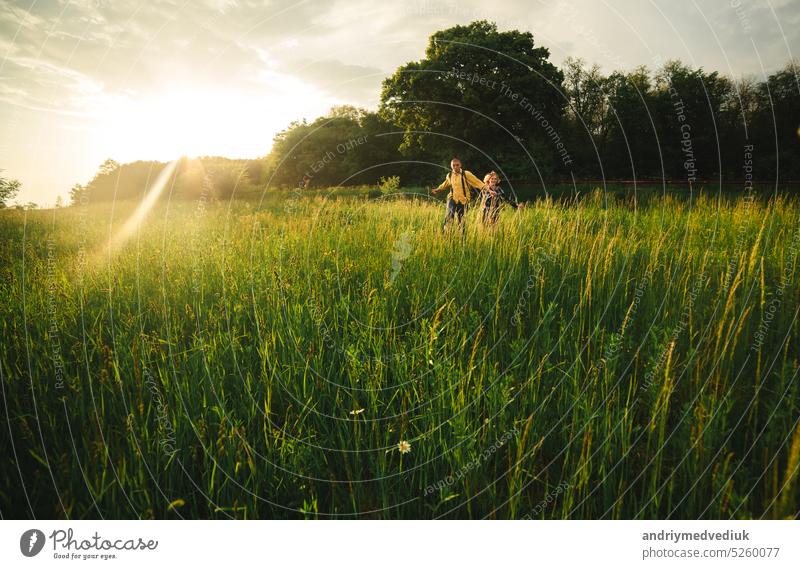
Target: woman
x,y
492,197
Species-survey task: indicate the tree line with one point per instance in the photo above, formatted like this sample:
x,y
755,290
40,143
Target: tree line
x,y
494,99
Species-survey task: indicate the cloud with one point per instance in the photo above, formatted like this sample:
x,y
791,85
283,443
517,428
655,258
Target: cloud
x,y
358,83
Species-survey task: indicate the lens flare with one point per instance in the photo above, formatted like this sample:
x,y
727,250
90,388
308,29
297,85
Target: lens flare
x,y
141,212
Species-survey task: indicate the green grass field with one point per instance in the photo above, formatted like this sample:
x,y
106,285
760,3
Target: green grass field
x,y
265,360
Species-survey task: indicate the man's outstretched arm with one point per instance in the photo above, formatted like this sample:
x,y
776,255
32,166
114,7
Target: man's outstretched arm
x,y
473,180
442,186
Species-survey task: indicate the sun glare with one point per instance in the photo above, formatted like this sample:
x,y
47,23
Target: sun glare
x,y
190,123
202,121
132,223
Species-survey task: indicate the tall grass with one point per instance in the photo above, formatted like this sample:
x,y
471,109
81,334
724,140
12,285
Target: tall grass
x,y
582,360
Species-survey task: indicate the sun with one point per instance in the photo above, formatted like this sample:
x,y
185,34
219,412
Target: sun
x,y
202,120
186,122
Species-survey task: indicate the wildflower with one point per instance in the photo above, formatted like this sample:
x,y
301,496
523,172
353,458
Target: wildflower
x,y
404,447
357,411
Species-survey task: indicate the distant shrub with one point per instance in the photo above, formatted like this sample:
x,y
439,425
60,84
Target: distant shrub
x,y
389,185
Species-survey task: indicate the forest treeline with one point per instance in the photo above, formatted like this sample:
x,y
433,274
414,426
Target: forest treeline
x,y
495,99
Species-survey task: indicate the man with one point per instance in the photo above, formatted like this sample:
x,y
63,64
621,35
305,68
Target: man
x,y
460,181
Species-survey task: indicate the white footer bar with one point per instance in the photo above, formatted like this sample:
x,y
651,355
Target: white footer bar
x,y
400,544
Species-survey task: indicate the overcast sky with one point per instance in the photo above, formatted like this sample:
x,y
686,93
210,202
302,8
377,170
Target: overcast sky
x,y
85,80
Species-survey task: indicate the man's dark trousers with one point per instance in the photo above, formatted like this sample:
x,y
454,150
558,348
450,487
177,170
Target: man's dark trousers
x,y
454,210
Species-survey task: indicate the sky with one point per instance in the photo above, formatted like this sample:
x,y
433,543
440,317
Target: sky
x,y
86,80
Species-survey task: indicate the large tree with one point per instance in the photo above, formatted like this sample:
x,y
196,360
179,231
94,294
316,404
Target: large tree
x,y
492,98
690,105
589,116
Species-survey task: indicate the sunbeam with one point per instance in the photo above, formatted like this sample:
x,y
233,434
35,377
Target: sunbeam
x,y
141,212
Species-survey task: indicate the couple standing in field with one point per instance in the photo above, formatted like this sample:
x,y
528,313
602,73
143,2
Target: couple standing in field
x,y
460,182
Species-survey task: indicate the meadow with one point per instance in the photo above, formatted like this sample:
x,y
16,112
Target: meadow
x,y
329,355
